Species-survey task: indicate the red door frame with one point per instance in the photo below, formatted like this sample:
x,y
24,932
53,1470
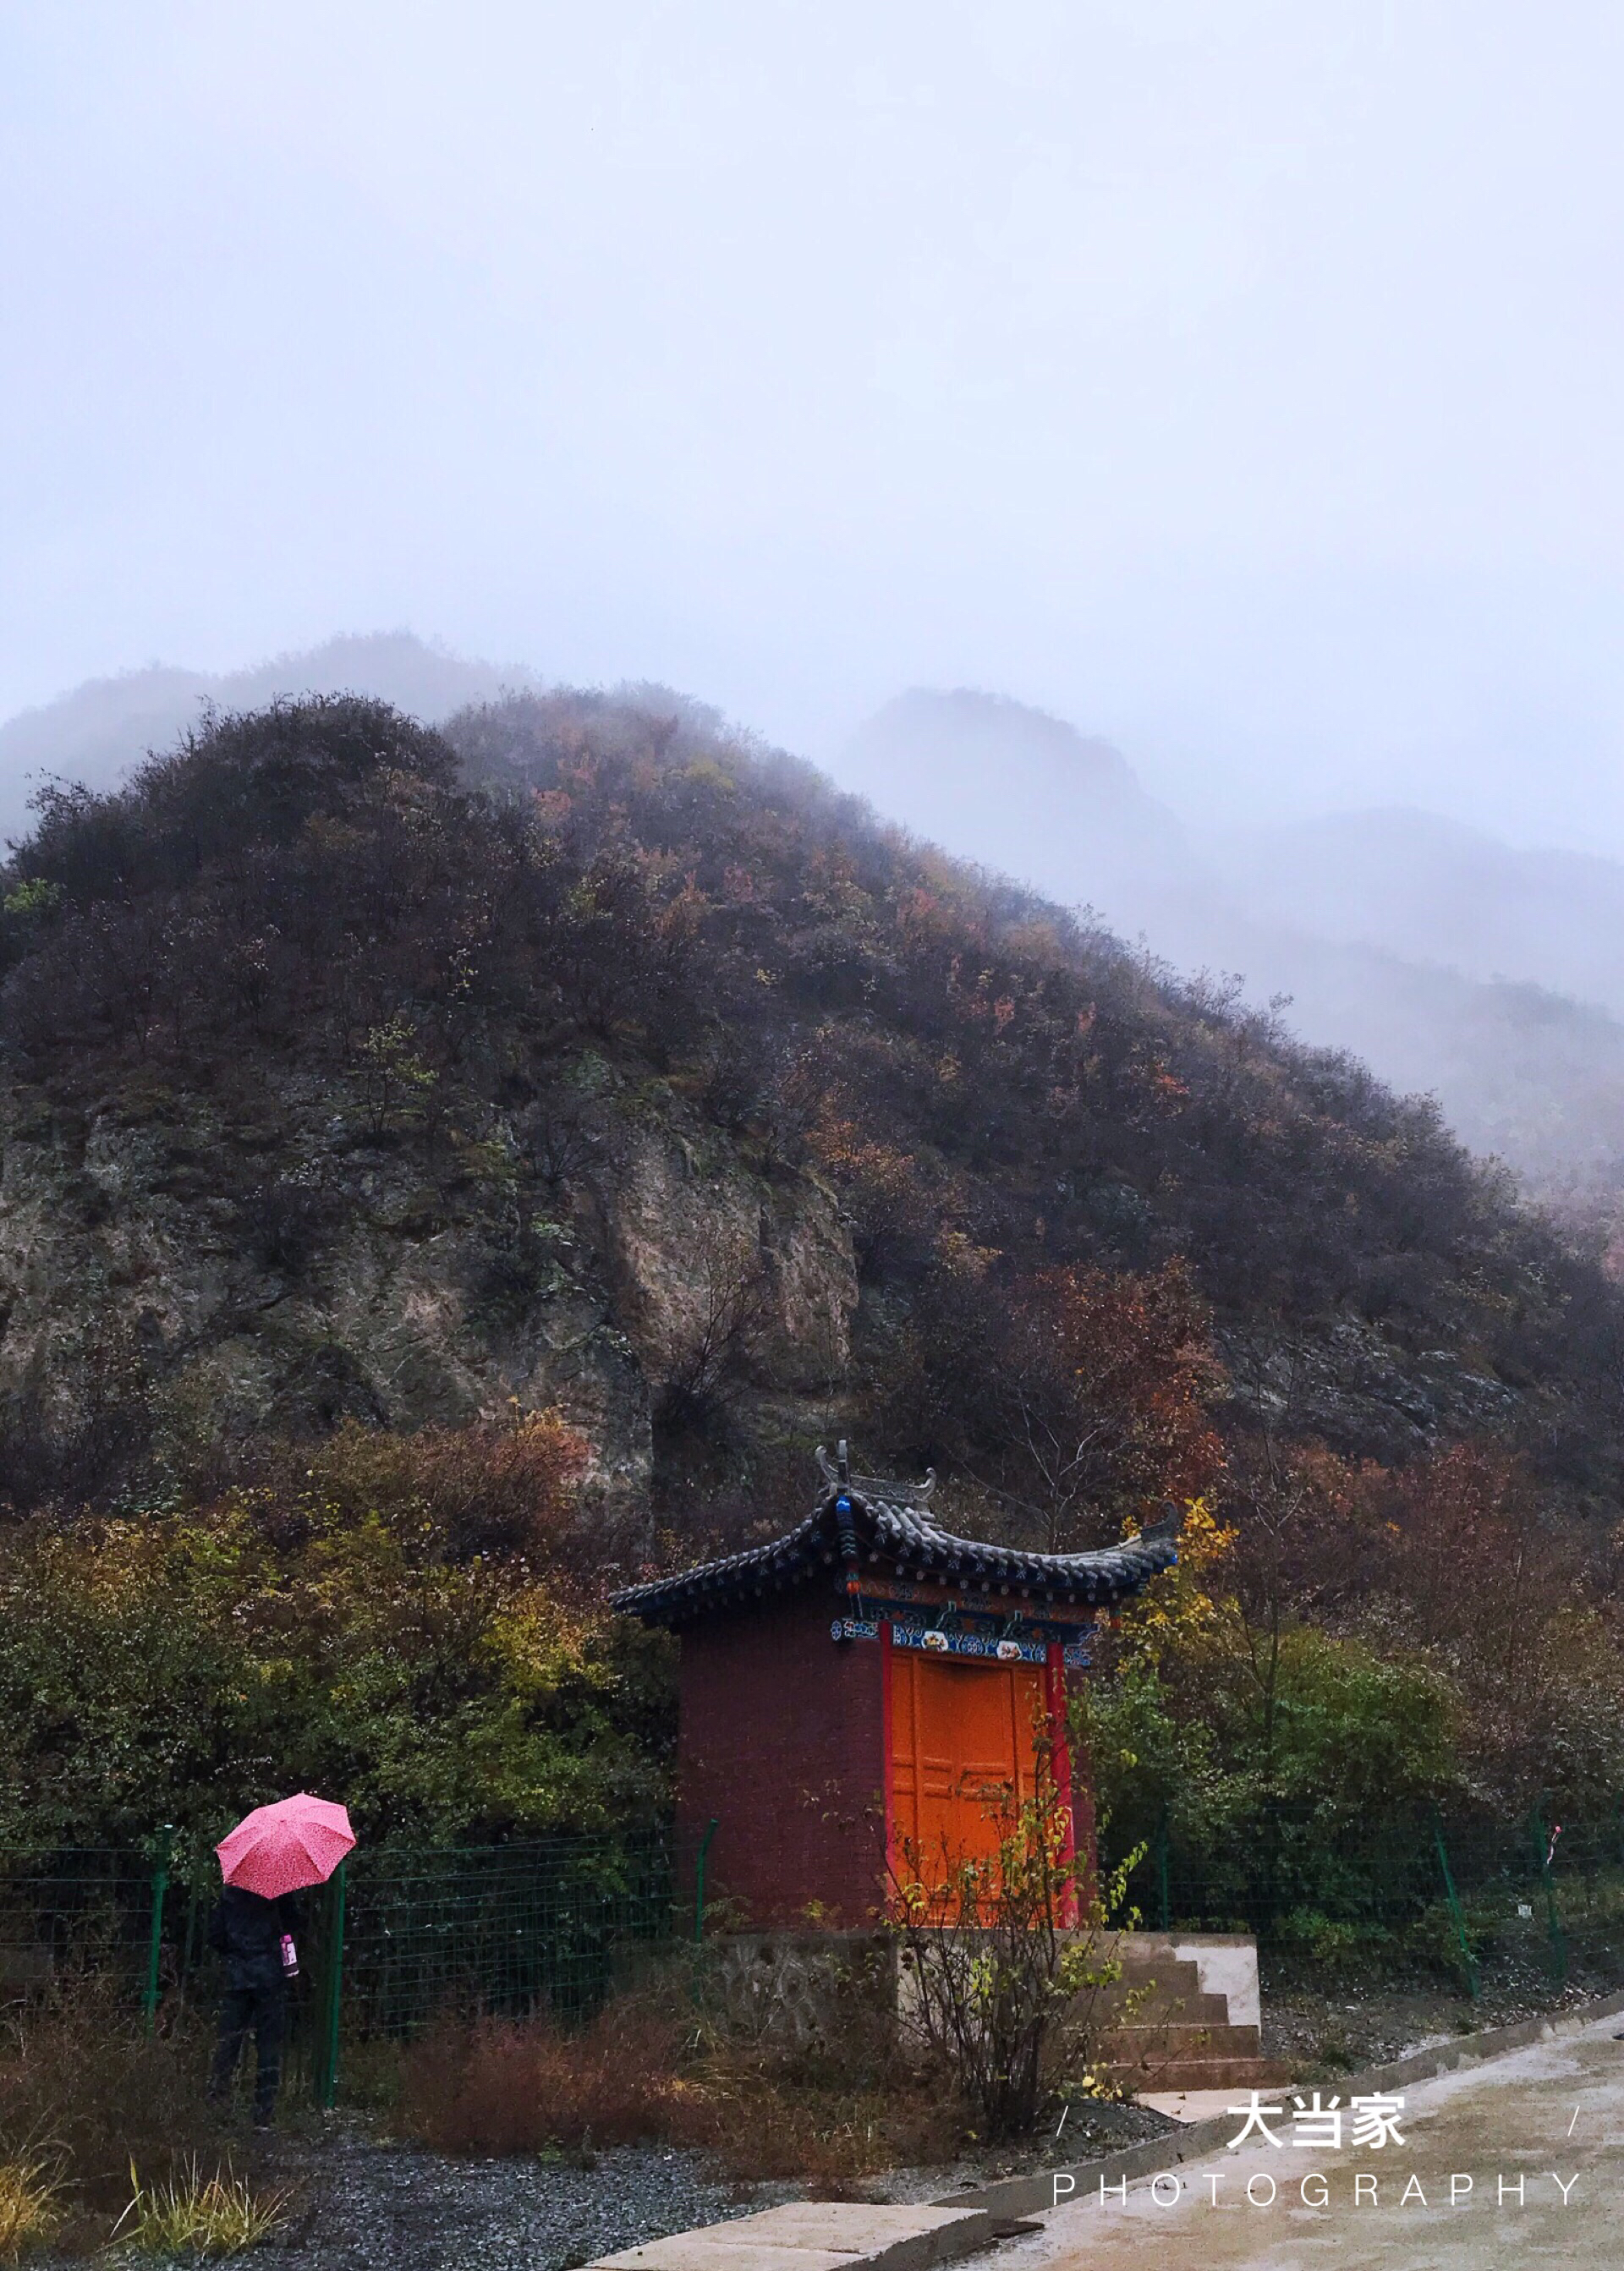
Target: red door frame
x,y
885,1760
1060,1757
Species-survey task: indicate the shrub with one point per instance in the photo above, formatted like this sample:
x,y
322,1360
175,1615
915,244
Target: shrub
x,y
763,2124
82,2088
501,1486
361,1638
1003,1956
1332,1949
1078,1399
502,2085
661,2064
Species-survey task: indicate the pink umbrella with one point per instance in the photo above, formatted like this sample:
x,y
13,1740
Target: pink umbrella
x,y
277,1849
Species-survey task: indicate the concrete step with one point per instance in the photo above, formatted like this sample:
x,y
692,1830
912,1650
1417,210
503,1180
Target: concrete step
x,y
820,2236
1178,1973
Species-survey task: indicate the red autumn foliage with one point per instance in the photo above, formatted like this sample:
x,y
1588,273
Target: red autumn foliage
x,y
1076,1398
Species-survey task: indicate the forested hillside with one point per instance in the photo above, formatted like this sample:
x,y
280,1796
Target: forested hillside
x,y
578,1060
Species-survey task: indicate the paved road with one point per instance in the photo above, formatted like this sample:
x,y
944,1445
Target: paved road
x,y
1540,2116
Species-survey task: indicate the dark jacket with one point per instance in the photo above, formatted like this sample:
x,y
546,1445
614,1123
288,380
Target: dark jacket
x,y
247,1930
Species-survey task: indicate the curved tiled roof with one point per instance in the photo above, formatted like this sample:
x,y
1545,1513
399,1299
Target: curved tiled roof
x,y
911,1545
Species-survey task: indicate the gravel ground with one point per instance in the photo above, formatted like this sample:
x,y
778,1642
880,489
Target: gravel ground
x,y
366,2206
362,2204
1089,2132
1325,2033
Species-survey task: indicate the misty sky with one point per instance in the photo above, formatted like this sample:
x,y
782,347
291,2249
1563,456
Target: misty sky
x,y
1240,381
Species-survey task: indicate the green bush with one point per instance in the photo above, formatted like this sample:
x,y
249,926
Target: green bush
x,y
180,1667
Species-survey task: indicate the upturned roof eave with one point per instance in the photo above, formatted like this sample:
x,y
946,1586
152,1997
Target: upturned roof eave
x,y
902,1541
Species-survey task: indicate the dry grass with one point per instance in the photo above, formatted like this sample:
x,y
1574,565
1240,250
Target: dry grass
x,y
82,2089
520,2085
643,2069
761,2124
190,2214
30,2204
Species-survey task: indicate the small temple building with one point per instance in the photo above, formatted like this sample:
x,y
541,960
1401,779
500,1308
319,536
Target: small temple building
x,y
856,1687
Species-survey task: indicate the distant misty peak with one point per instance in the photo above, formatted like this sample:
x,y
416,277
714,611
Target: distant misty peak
x,y
1439,891
1453,962
963,730
96,733
970,719
1020,789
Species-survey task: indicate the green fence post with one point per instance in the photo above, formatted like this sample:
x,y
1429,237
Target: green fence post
x,y
1456,1909
327,2057
704,1847
1554,1922
154,1940
1164,1899
194,1909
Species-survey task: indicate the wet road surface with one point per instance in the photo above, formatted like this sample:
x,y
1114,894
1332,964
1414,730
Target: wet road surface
x,y
1540,2135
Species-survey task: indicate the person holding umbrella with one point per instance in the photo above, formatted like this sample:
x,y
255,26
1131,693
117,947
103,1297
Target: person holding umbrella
x,y
272,1853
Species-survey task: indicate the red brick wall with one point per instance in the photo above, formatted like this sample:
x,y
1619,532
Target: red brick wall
x,y
781,1742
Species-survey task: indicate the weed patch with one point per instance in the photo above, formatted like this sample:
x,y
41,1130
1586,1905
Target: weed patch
x,y
646,2069
521,2085
30,2205
190,2214
82,2090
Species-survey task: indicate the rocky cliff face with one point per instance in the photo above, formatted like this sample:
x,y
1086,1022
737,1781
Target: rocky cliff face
x,y
177,1269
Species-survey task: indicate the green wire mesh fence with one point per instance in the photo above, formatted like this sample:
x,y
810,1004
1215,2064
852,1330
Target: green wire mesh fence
x,y
500,1930
80,1910
399,1936
1413,1888
405,1934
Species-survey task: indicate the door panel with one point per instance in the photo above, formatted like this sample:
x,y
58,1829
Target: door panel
x,y
962,1737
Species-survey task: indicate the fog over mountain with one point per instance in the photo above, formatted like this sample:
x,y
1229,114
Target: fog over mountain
x,y
1453,963
1433,890
1241,383
1237,385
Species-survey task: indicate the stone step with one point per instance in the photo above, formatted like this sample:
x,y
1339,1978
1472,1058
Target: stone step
x,y
1136,2045
820,2236
1179,1973
1155,2007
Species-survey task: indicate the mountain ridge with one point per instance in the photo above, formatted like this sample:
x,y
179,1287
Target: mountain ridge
x,y
582,1055
97,731
1453,962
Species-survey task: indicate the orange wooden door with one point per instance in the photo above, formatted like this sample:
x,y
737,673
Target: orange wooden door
x,y
962,1747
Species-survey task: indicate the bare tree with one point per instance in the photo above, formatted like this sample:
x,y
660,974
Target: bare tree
x,y
711,1369
1005,1963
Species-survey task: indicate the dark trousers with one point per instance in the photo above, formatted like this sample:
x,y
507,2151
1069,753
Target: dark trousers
x,y
265,2010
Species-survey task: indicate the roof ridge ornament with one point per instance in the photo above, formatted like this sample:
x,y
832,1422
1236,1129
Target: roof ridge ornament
x,y
838,1474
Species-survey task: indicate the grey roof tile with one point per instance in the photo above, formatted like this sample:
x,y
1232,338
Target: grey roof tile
x,y
910,1541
